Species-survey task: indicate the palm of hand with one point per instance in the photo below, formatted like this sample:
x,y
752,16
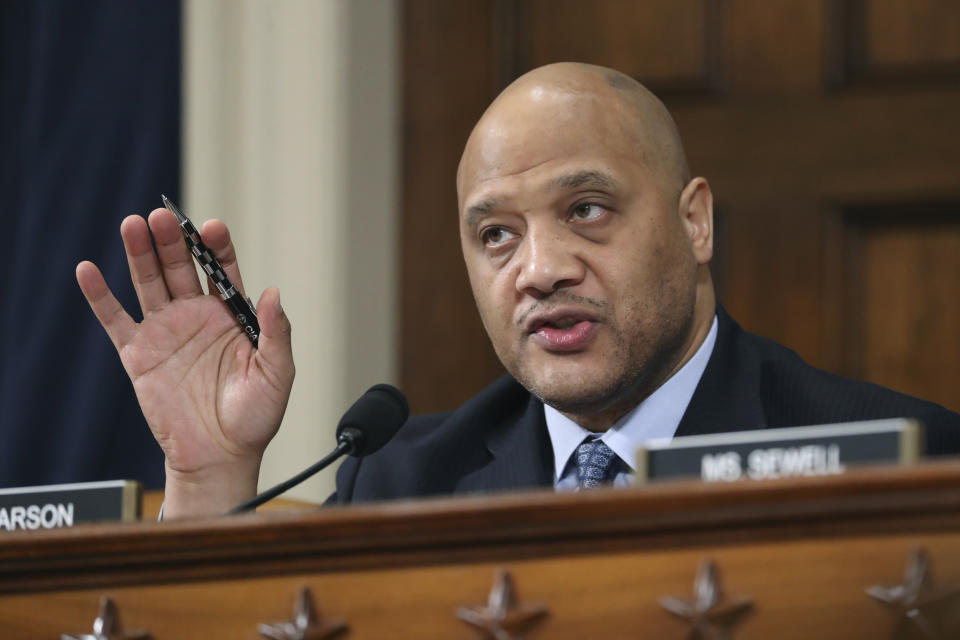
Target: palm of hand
x,y
201,384
212,400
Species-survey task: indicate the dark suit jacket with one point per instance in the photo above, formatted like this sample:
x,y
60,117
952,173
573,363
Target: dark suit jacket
x,y
498,440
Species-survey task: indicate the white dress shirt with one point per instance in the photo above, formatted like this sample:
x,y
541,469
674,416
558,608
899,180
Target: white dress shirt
x,y
657,417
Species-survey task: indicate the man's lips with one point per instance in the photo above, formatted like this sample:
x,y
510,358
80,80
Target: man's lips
x,y
573,339
562,329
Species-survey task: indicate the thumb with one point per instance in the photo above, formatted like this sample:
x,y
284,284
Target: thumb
x,y
273,345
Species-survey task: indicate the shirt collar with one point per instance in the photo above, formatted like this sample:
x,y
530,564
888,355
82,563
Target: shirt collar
x,y
657,416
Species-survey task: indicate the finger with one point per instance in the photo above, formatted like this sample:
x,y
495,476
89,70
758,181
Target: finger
x,y
176,260
274,345
144,267
217,238
111,314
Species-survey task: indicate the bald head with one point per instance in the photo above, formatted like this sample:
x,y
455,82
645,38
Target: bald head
x,y
567,96
586,242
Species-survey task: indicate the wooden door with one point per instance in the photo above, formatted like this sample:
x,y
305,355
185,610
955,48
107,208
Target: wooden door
x,y
829,131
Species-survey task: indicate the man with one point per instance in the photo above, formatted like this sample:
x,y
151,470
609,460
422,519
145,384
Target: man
x,y
587,245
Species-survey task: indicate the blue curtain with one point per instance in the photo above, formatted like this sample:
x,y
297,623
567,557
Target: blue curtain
x,y
89,133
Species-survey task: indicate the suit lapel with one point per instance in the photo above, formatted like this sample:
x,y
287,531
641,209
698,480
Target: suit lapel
x,y
520,455
727,397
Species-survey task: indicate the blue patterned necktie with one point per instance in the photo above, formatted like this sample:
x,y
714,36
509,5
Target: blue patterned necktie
x,y
595,463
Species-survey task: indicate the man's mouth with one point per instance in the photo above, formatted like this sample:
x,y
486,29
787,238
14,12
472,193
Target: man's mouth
x,y
563,323
562,331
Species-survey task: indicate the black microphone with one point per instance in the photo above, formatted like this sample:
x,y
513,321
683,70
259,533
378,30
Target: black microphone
x,y
373,419
366,426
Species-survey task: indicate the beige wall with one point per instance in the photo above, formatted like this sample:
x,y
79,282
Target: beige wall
x,y
291,137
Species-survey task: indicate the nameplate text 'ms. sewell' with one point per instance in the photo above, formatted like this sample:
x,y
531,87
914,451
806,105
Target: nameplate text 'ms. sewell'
x,y
781,453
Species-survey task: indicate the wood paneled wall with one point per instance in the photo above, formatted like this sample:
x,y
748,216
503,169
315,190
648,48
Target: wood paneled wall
x,y
830,132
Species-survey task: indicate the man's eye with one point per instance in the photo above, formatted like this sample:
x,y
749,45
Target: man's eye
x,y
496,236
587,211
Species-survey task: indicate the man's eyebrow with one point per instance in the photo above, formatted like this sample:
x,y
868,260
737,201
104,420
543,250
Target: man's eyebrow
x,y
584,179
478,210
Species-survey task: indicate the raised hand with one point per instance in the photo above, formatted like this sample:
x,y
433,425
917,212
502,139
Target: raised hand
x,y
212,400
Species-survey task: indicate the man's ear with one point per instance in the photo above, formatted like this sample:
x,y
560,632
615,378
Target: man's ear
x,y
696,215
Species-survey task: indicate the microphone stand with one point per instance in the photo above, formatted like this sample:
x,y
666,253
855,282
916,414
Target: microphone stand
x,y
344,446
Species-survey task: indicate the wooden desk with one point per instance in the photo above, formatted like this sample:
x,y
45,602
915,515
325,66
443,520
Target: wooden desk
x,y
153,499
803,550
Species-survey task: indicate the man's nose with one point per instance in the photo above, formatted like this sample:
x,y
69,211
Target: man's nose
x,y
547,262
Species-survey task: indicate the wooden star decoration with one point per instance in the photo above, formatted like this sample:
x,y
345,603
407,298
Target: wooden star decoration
x,y
306,624
710,615
502,618
107,626
920,606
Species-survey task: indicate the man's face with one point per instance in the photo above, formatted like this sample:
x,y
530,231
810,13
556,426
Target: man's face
x,y
579,260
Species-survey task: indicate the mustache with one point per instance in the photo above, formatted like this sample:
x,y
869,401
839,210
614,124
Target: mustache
x,y
558,298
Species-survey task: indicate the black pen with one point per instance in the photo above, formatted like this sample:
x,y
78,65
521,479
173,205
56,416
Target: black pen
x,y
241,307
